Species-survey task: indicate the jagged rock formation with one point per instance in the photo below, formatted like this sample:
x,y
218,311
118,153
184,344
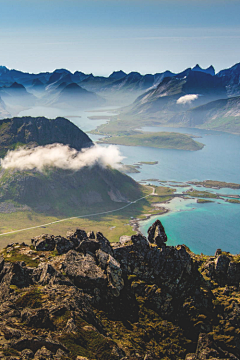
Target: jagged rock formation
x,y
82,297
156,234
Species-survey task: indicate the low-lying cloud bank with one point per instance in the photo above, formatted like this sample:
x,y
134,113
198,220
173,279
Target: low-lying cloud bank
x,y
187,99
61,156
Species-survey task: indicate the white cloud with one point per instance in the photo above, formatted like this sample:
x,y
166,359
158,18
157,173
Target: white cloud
x,y
187,99
61,156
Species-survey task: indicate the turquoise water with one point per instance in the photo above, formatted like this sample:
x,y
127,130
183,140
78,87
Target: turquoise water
x,y
202,227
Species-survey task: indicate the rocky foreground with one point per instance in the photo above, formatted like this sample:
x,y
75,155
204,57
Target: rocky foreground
x,y
82,297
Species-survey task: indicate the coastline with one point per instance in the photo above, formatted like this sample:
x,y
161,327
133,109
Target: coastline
x,y
136,223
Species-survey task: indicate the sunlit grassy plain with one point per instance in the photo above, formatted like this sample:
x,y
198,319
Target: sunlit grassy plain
x,y
112,225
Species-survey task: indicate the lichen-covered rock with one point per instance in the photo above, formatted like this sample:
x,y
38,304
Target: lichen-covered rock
x,y
88,245
27,354
104,243
18,274
224,269
43,354
38,318
44,242
84,272
63,245
136,299
207,348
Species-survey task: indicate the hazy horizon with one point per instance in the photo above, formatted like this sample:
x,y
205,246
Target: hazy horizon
x,y
102,36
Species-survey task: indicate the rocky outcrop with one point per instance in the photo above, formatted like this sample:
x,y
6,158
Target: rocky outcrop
x,y
81,296
156,234
223,268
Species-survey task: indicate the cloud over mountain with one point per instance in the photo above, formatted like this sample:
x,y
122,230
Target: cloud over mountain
x,y
187,99
61,156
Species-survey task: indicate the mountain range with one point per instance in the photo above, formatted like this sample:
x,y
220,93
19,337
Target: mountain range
x,y
158,96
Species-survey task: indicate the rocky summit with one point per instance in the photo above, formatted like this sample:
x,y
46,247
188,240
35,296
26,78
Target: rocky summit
x,y
83,297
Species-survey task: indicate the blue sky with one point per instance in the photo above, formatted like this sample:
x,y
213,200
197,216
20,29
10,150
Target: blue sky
x,y
101,36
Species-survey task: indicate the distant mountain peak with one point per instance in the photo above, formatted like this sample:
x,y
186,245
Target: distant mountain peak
x,y
16,85
62,71
210,70
3,69
37,82
116,75
73,86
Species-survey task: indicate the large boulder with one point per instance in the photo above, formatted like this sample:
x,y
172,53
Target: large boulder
x,y
44,242
84,272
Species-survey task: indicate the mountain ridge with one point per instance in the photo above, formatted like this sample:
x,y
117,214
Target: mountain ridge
x,y
83,297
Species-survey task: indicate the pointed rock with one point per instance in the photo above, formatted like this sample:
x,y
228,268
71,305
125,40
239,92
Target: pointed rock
x,y
156,234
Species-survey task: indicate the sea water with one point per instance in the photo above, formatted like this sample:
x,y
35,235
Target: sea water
x,y
202,227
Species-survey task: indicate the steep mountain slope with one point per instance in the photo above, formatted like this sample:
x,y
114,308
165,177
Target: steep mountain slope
x,y
63,192
165,97
17,95
73,95
231,79
58,191
223,114
3,112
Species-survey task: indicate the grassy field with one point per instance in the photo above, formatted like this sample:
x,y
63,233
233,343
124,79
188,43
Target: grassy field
x,y
203,201
223,123
204,194
112,225
161,140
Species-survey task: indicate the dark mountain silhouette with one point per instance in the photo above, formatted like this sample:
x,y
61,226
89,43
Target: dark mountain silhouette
x,y
210,70
116,75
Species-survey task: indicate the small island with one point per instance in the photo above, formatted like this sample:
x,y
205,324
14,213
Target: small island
x,y
160,140
200,194
203,201
214,184
148,162
233,201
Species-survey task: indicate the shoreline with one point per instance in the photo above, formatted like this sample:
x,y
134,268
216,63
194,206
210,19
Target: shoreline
x,y
135,223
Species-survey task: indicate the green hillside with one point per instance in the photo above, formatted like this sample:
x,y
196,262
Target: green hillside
x,y
161,140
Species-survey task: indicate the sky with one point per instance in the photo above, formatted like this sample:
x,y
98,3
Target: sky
x,y
101,36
